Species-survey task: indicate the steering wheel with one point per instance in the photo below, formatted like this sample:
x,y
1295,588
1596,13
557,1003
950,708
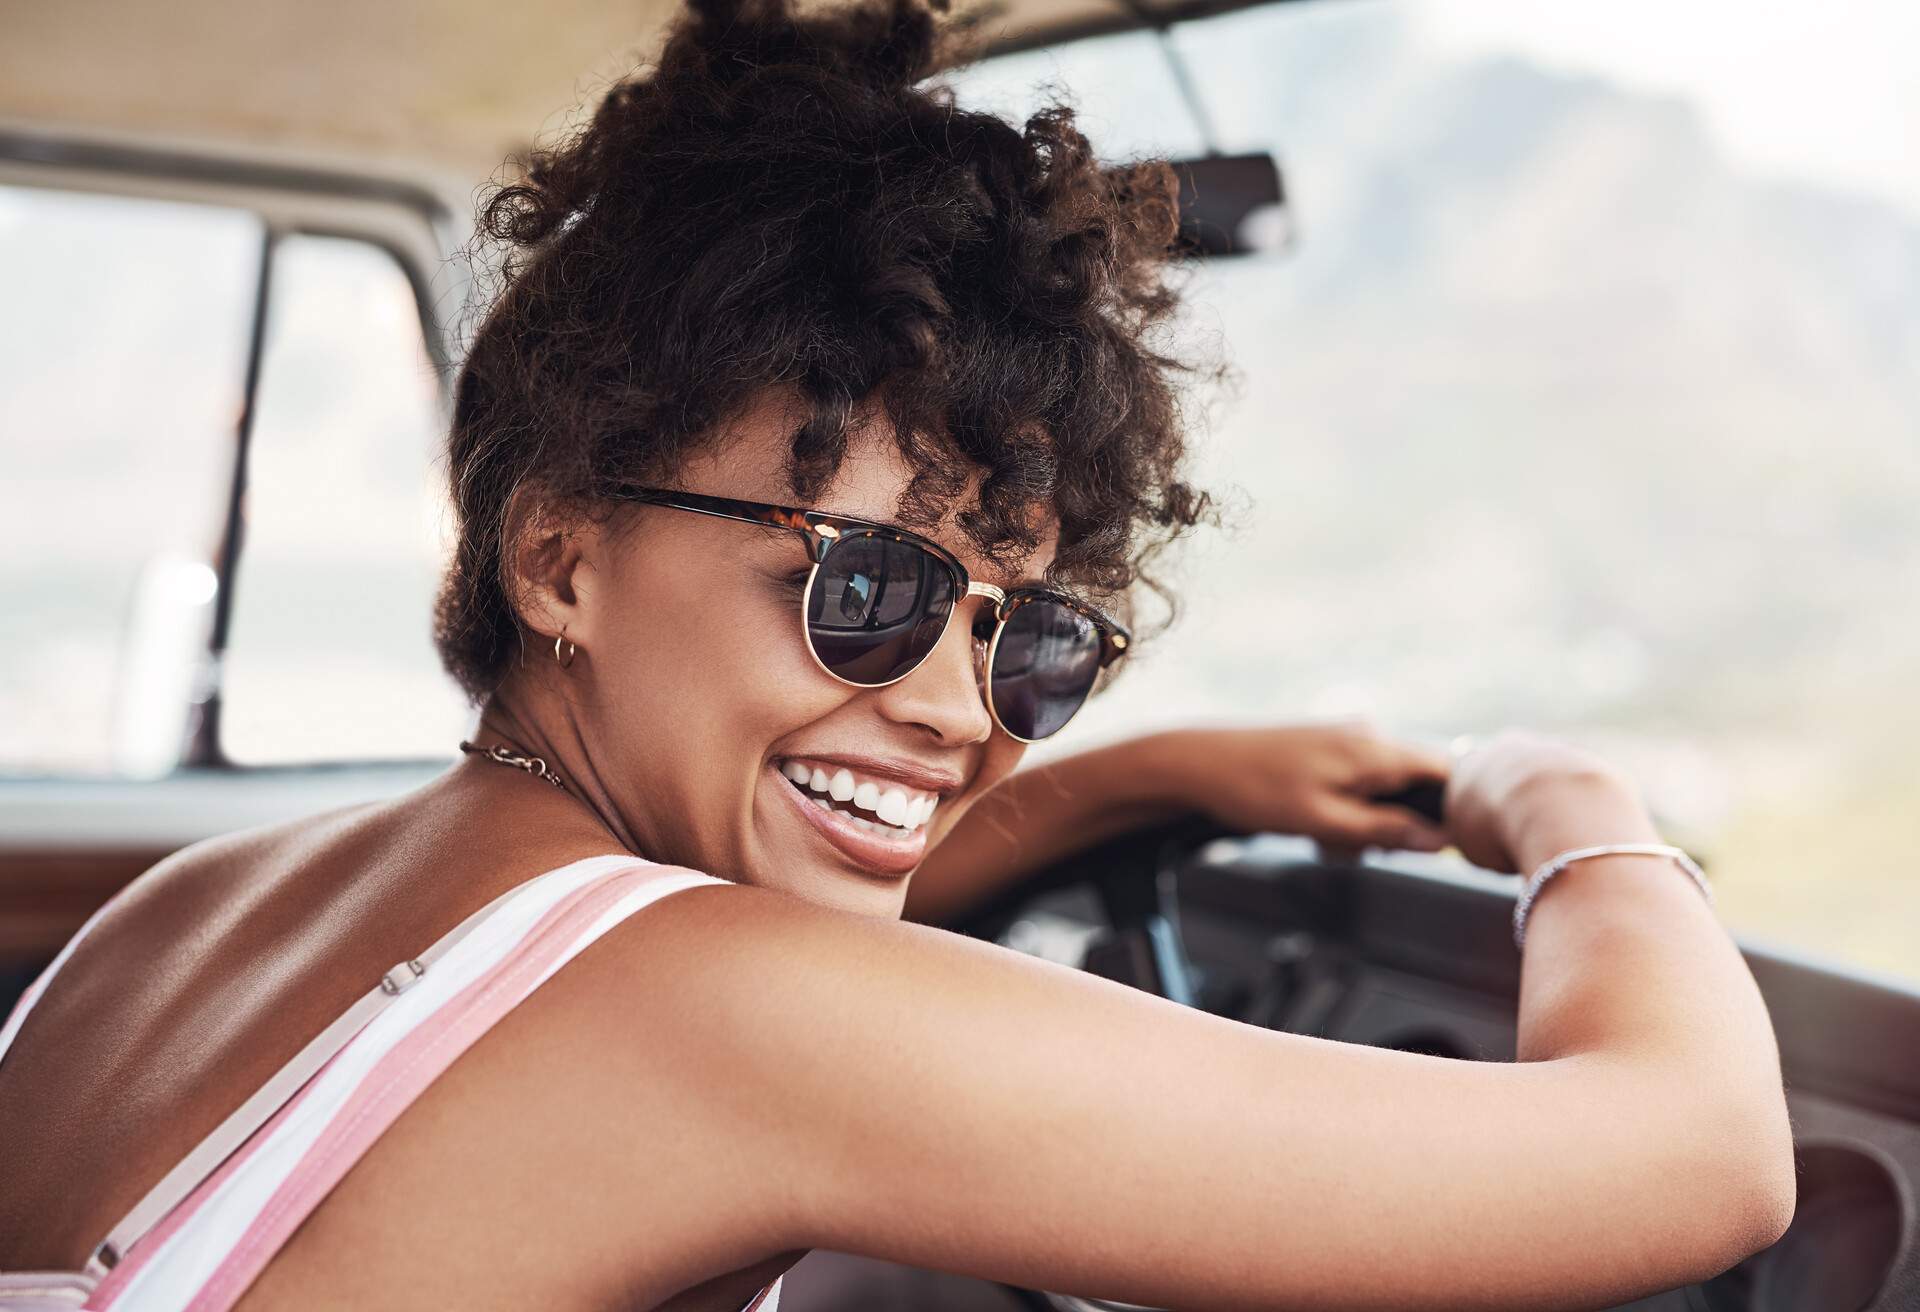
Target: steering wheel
x,y
1134,876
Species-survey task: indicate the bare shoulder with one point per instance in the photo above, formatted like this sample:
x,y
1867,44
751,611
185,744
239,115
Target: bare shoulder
x,y
809,1077
211,864
565,1132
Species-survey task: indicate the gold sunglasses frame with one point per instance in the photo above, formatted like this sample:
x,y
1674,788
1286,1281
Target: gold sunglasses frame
x,y
822,531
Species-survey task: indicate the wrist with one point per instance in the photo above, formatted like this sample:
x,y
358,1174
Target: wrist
x,y
1557,866
1582,812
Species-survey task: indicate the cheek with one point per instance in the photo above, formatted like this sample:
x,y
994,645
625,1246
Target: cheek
x,y
1003,754
1001,757
714,662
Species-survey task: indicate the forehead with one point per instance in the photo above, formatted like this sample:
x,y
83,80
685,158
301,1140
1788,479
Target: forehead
x,y
749,461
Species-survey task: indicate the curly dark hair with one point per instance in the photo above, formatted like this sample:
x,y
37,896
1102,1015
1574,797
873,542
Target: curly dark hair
x,y
781,201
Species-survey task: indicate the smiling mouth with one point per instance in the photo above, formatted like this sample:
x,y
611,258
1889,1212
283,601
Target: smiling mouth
x,y
889,813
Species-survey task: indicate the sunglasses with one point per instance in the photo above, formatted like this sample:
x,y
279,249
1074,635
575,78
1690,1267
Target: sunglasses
x,y
878,600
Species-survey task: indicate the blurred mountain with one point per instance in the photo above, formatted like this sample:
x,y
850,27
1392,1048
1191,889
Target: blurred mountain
x,y
1555,413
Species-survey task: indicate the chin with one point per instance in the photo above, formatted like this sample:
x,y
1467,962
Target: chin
x,y
842,889
827,882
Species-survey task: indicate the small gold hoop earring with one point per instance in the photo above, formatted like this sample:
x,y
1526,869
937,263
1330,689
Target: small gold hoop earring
x,y
566,662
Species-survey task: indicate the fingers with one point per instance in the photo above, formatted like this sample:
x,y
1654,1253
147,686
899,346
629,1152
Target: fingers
x,y
1357,823
1391,765
1424,762
1386,765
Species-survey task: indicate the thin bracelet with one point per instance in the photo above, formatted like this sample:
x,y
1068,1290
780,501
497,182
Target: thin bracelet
x,y
1567,858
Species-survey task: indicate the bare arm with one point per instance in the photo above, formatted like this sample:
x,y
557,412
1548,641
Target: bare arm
x,y
1314,779
899,1091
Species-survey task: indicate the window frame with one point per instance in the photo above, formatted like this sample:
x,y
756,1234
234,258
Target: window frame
x,y
416,225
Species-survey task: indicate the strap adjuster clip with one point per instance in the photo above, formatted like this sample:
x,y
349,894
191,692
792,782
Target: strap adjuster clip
x,y
402,977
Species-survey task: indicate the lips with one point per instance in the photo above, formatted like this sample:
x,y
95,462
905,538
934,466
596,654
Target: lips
x,y
872,852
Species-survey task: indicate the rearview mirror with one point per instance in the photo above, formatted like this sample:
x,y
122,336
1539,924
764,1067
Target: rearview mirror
x,y
1232,205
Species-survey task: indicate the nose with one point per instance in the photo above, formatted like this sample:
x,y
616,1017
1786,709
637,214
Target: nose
x,y
947,691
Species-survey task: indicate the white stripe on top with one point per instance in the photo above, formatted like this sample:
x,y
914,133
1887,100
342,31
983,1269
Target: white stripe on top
x,y
172,1275
203,1254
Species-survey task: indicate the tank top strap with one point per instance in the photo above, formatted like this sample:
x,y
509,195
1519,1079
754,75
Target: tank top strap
x,y
246,1118
224,1233
205,1230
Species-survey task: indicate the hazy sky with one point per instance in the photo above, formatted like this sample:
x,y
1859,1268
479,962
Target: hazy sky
x,y
1818,89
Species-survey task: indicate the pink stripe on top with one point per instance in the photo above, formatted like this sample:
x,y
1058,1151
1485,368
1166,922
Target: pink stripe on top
x,y
205,1253
411,1066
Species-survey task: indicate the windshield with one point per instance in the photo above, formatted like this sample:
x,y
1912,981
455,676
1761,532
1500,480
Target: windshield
x,y
1587,397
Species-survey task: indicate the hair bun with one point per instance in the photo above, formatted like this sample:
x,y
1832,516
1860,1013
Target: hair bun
x,y
885,46
783,200
728,68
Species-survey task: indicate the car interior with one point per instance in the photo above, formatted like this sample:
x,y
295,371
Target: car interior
x,y
321,211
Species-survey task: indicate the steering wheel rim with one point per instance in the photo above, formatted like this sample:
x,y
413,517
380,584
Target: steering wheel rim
x,y
1131,872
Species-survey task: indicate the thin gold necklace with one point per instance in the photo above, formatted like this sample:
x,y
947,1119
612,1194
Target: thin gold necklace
x,y
533,765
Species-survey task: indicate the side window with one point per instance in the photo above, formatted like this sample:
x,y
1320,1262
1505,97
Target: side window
x,y
346,523
122,352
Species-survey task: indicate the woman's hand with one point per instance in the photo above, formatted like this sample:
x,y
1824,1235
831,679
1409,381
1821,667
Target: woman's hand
x,y
1312,779
1521,798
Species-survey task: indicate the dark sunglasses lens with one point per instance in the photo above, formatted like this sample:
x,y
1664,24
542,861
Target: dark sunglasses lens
x,y
877,607
1044,667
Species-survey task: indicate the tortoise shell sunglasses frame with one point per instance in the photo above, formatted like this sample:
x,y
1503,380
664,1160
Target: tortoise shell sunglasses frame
x,y
822,532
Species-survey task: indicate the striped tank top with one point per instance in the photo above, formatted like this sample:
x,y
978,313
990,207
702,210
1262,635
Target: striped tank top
x,y
210,1226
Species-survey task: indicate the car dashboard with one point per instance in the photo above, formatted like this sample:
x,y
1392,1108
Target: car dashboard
x,y
1415,953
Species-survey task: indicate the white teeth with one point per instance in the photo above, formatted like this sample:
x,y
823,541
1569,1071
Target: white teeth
x,y
892,807
898,810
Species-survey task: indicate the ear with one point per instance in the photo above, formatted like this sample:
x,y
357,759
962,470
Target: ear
x,y
549,565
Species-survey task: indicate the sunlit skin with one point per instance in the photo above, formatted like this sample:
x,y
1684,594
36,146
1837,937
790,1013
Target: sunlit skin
x,y
744,1071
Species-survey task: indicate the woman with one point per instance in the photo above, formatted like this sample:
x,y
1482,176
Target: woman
x,y
783,331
